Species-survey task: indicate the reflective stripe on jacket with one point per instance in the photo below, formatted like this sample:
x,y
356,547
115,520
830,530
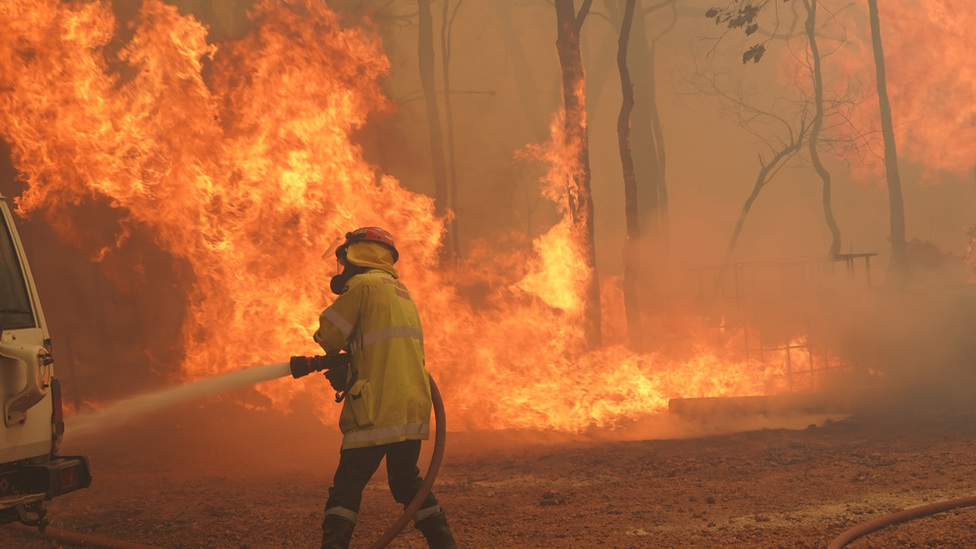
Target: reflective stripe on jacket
x,y
389,401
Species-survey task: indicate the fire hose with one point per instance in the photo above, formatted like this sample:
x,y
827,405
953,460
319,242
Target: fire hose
x,y
85,540
899,517
435,465
336,367
436,458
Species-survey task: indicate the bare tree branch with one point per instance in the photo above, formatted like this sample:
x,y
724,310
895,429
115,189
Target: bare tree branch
x,y
447,31
766,173
581,16
651,9
670,27
418,94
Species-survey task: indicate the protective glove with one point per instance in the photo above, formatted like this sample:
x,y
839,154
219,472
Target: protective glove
x,y
337,377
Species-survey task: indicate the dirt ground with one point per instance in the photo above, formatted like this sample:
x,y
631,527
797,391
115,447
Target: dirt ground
x,y
219,476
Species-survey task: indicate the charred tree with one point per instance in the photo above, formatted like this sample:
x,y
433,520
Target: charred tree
x,y
755,119
644,138
425,55
632,243
657,186
447,27
647,136
569,23
899,252
811,109
818,119
766,172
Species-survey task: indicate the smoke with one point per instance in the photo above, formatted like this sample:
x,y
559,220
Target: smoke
x,y
506,84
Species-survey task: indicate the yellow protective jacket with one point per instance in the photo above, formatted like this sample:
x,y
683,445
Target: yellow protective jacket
x,y
376,320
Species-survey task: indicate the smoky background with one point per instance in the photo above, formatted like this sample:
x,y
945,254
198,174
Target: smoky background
x,y
116,310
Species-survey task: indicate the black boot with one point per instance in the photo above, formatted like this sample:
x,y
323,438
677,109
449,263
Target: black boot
x,y
437,532
336,532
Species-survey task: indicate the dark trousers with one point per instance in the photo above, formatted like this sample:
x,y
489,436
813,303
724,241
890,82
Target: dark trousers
x,y
357,465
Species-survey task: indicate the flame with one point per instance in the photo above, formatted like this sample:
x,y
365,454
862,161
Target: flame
x,y
931,80
248,174
932,86
561,272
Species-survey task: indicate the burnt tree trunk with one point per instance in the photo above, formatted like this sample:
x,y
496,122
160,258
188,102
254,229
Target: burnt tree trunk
x,y
446,30
644,138
647,141
811,28
656,187
632,243
569,24
660,181
425,55
896,203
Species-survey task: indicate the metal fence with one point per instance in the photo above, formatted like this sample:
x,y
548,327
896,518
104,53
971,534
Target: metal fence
x,y
788,310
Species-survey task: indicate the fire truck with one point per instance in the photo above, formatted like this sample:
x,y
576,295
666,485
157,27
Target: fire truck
x,y
31,471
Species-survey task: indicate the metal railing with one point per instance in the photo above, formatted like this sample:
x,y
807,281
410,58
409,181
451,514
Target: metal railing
x,y
787,310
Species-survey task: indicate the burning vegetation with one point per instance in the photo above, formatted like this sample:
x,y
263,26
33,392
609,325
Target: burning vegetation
x,y
618,219
242,155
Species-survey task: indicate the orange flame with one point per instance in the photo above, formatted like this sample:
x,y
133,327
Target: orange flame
x,y
931,79
932,86
248,175
560,273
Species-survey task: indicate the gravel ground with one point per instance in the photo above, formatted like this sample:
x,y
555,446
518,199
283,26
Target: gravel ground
x,y
220,476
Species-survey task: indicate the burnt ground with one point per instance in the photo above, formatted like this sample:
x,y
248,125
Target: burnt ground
x,y
218,476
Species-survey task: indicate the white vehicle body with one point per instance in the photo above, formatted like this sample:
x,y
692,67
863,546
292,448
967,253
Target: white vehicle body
x,y
30,470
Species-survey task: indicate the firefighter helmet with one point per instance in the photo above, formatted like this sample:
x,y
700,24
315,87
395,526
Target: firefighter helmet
x,y
368,234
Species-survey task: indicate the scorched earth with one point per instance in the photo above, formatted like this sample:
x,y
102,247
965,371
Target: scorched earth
x,y
218,476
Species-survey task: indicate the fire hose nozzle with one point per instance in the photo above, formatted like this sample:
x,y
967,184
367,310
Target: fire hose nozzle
x,y
301,366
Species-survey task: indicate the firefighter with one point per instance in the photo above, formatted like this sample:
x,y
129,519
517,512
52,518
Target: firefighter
x,y
386,409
